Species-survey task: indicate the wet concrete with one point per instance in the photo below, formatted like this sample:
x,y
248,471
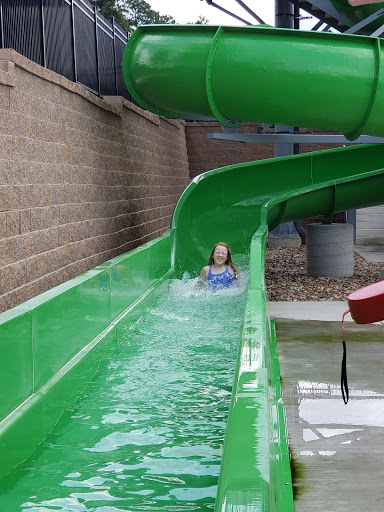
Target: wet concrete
x,y
327,311
371,252
337,450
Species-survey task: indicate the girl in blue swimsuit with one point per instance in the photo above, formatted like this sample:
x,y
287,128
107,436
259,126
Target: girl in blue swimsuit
x,y
220,272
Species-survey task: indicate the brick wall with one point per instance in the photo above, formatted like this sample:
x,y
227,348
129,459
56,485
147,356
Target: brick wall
x,y
205,154
81,179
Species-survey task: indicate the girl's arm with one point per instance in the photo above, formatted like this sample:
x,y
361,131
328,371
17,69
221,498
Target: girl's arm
x,y
238,278
202,278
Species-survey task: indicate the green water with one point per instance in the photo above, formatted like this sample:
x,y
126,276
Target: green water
x,y
148,432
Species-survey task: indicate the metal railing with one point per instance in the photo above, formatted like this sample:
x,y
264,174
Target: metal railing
x,y
69,37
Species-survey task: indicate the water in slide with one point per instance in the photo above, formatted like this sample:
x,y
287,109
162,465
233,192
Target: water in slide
x,y
262,74
147,432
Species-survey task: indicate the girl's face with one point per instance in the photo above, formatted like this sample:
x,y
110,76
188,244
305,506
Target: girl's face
x,y
220,255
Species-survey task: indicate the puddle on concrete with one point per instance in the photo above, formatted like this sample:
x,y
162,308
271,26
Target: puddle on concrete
x,y
340,448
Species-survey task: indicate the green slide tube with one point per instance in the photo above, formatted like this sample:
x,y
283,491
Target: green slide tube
x,y
231,203
279,76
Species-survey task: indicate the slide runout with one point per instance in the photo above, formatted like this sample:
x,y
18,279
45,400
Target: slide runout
x,y
51,346
240,204
264,194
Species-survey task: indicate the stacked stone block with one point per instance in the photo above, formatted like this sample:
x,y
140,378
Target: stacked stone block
x,y
82,179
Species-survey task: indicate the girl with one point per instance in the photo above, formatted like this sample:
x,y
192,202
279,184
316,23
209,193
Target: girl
x,y
220,272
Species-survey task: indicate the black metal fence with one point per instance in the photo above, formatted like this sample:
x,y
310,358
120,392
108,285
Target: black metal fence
x,y
69,37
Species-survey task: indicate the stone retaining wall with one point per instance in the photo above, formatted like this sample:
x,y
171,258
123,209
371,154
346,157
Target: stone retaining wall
x,y
82,179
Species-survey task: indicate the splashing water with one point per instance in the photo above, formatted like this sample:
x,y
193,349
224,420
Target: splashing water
x,y
148,432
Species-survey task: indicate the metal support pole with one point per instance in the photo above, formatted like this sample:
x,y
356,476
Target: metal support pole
x,y
284,18
288,138
1,25
283,149
97,50
285,14
250,12
378,32
74,40
296,17
209,2
43,33
350,218
317,26
296,145
114,54
364,23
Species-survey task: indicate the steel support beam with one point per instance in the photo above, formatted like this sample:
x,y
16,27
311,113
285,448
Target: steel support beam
x,y
225,11
293,138
378,32
250,12
365,22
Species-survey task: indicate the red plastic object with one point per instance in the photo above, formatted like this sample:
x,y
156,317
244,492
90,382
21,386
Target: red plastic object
x,y
367,304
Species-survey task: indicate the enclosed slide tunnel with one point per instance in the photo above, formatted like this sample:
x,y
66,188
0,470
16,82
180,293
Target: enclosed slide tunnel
x,y
259,73
239,74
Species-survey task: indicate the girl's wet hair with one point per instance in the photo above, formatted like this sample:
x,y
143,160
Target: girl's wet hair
x,y
228,261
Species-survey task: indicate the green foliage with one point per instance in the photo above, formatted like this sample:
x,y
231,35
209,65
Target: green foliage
x,y
202,20
129,14
139,12
109,8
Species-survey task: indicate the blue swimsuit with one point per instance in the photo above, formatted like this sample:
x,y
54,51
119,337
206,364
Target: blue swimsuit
x,y
220,281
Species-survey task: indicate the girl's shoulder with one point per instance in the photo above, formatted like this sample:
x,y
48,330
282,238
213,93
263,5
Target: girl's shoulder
x,y
204,271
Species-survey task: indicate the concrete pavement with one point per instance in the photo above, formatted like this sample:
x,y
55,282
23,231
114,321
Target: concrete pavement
x,y
337,450
325,311
371,252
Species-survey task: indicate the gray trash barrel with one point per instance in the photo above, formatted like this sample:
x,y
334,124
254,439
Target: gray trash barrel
x,y
330,250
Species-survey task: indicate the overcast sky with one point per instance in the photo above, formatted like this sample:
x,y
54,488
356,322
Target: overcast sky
x,y
184,11
190,10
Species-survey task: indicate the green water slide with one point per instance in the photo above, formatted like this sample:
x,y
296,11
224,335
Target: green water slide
x,y
51,346
316,80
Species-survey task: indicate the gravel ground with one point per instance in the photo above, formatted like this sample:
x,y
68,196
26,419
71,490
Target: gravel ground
x,y
285,273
